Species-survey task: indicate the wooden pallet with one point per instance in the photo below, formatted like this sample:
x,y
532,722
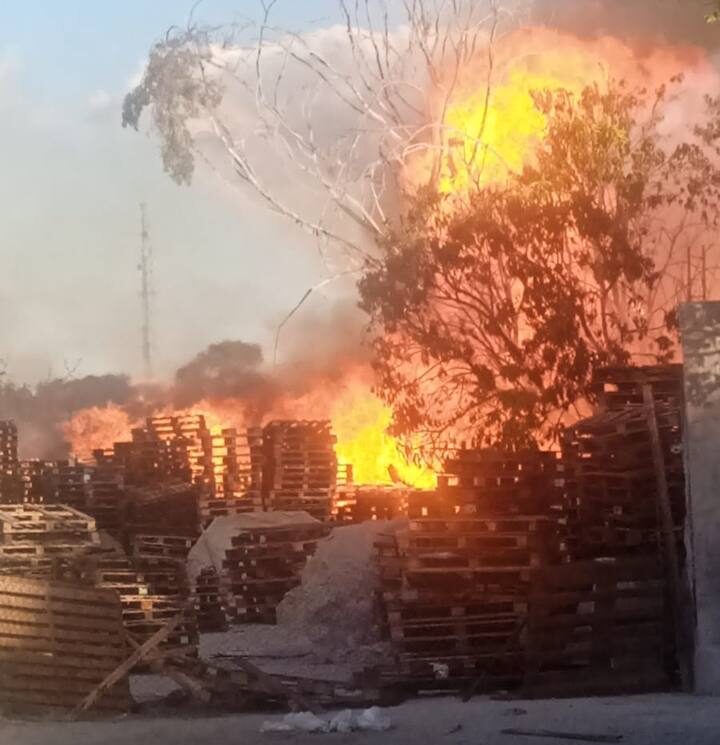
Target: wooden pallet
x,y
57,642
589,621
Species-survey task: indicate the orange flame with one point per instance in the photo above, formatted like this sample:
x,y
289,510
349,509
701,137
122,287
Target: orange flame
x,y
490,125
359,420
96,428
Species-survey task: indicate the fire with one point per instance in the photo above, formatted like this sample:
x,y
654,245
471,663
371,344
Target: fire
x,y
489,136
96,428
360,421
490,125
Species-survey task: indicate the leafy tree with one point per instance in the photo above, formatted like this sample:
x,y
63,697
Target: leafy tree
x,y
492,308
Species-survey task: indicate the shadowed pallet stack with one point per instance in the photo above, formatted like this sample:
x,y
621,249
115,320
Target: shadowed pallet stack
x,y
300,467
39,479
212,611
598,627
611,485
57,643
619,387
456,582
11,487
263,564
171,507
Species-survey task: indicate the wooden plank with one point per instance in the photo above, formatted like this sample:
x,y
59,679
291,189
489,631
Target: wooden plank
x,y
122,670
669,542
51,590
51,647
62,699
33,616
49,628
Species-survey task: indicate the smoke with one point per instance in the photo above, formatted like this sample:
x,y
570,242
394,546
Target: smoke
x,y
322,347
229,369
39,412
642,22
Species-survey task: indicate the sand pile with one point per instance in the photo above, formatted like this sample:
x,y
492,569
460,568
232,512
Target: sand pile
x,y
335,607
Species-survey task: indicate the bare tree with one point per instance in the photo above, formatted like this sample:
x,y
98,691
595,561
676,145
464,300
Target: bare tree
x,y
344,109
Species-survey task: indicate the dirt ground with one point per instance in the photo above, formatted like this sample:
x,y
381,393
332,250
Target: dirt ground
x,y
641,720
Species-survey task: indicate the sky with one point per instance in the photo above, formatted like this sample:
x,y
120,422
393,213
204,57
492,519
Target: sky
x,y
71,180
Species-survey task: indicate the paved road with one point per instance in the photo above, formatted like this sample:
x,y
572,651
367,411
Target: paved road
x,y
642,720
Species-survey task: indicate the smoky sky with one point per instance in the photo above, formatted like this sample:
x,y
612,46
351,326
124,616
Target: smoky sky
x,y
649,21
320,347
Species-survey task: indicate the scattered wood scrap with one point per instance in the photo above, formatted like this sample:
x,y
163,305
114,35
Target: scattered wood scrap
x,y
121,671
562,735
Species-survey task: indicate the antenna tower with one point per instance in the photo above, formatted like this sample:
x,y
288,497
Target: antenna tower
x,y
145,268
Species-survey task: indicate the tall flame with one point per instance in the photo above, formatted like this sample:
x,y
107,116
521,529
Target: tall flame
x,y
490,125
493,131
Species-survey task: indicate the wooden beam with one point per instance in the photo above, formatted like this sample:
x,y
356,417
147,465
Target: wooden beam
x,y
667,526
562,735
124,669
159,664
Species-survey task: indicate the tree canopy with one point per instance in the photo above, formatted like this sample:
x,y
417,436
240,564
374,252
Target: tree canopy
x,y
491,310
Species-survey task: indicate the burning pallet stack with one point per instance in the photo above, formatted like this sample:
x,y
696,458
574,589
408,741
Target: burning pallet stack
x,y
356,503
11,491
300,467
233,481
456,583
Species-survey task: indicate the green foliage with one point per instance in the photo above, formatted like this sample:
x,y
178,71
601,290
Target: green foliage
x,y
176,89
491,312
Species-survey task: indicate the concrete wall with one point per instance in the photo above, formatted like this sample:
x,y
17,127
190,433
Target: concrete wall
x,y
700,334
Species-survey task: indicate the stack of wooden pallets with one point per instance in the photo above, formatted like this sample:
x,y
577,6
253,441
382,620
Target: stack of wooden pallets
x,y
611,488
356,503
34,538
172,547
212,612
598,627
151,591
171,508
232,484
610,481
264,564
107,500
456,582
39,479
619,387
300,467
57,643
11,487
